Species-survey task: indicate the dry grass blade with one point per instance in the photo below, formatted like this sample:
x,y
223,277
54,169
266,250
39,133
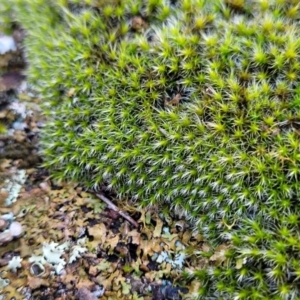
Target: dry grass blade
x,y
115,208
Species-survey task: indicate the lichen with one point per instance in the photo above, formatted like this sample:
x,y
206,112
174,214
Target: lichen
x,y
13,186
53,252
14,264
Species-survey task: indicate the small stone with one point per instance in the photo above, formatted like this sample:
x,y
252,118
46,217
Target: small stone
x,y
15,229
5,237
3,224
10,81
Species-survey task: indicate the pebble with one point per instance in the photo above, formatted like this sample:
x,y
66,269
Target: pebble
x,y
5,237
3,224
15,229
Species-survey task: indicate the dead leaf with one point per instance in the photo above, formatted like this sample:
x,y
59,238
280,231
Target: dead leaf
x,y
135,235
175,100
45,186
194,287
122,250
145,217
138,23
12,293
156,275
148,217
111,243
125,287
186,237
70,279
93,271
99,232
220,254
16,283
35,282
85,283
171,245
4,164
103,265
80,201
71,92
148,247
136,267
205,247
158,228
107,282
169,236
24,249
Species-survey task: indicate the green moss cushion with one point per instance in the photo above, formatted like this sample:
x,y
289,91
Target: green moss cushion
x,y
190,103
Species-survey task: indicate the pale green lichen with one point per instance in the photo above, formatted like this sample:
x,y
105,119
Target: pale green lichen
x,y
53,252
13,186
14,264
78,250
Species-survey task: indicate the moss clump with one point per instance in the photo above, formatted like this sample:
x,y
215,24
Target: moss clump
x,y
192,103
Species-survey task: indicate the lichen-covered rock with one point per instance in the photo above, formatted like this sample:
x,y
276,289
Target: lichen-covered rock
x,y
189,103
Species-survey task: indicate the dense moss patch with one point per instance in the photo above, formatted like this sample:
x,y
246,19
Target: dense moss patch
x,y
190,103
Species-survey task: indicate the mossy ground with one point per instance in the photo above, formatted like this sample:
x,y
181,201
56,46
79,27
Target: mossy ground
x,y
193,104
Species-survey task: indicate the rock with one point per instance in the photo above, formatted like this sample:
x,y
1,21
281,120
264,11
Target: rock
x,y
5,237
3,224
10,80
15,229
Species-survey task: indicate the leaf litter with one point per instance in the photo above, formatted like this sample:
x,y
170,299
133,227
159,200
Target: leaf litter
x,y
80,247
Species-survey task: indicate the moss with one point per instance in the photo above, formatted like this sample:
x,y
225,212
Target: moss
x,y
3,128
190,103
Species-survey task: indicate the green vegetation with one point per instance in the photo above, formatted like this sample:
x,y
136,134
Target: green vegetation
x,y
189,103
2,128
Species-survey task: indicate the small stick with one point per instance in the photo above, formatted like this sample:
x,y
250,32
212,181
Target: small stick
x,y
115,208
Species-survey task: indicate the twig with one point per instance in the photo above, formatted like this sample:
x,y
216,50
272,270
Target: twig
x,y
115,208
